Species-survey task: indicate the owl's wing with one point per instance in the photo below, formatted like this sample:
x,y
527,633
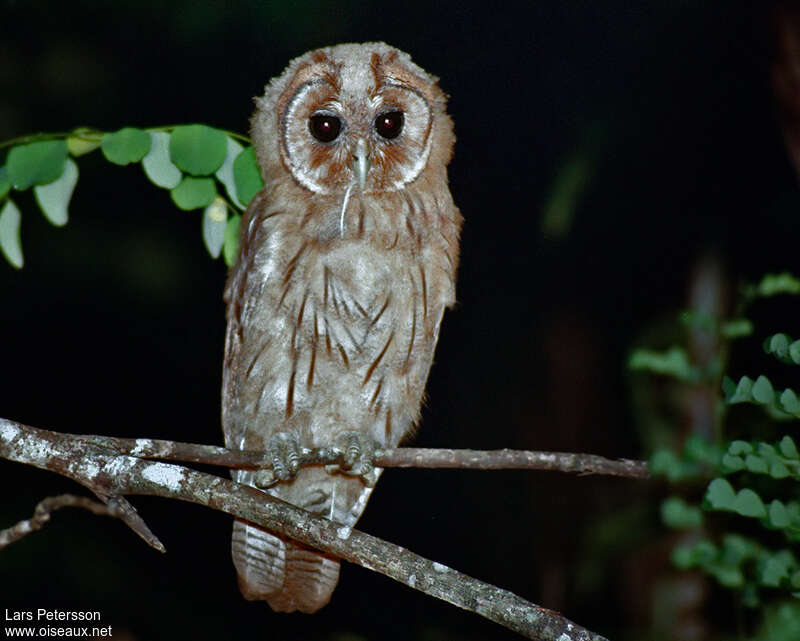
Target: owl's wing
x,y
235,296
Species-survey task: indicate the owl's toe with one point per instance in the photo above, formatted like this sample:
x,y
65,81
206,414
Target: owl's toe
x,y
285,454
357,453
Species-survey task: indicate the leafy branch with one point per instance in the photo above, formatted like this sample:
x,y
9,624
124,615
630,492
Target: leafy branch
x,y
753,481
191,161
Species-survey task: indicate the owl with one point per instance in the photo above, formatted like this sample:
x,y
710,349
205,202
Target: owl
x,y
347,261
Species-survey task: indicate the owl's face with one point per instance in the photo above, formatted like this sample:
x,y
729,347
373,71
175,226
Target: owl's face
x,y
351,116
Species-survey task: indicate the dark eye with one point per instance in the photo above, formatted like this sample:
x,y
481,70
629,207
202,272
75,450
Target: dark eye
x,y
390,124
324,128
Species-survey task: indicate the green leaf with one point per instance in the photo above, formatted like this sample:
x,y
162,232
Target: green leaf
x,y
54,197
231,247
788,448
215,221
727,576
737,328
720,495
755,464
126,145
9,234
736,549
194,193
157,165
704,552
740,447
666,463
728,388
697,448
780,622
247,176
567,188
672,362
682,556
83,140
773,284
197,149
225,173
732,463
763,391
775,569
778,470
789,401
676,513
748,503
698,320
777,345
794,351
689,555
778,514
662,461
743,391
766,450
5,183
37,163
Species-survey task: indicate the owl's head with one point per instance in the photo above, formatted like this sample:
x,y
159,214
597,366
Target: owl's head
x,y
353,115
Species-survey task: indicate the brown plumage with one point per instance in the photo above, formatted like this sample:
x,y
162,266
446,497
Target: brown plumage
x,y
347,261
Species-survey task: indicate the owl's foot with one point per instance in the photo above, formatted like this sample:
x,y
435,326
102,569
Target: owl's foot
x,y
358,450
283,450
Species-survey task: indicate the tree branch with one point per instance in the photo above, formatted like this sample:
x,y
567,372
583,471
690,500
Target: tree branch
x,y
506,459
44,510
108,473
511,460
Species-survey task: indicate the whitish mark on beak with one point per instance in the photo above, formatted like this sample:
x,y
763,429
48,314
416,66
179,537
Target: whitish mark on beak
x,y
360,171
361,162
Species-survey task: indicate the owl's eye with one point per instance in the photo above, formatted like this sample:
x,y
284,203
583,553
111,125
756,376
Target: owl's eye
x,y
390,124
324,128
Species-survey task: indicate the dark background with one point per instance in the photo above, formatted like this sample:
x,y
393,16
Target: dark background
x,y
115,325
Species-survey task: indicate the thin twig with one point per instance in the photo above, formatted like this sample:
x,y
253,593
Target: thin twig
x,y
110,474
44,510
125,511
86,133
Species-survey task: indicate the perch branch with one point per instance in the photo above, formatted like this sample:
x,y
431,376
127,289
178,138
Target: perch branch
x,y
511,460
398,457
110,474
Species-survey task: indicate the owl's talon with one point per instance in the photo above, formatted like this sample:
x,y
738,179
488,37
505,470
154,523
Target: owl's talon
x,y
283,450
352,452
264,479
357,451
370,478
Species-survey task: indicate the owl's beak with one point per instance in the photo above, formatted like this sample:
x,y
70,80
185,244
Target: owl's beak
x,y
361,162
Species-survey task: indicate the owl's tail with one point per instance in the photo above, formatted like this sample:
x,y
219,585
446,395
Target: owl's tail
x,y
286,574
283,574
